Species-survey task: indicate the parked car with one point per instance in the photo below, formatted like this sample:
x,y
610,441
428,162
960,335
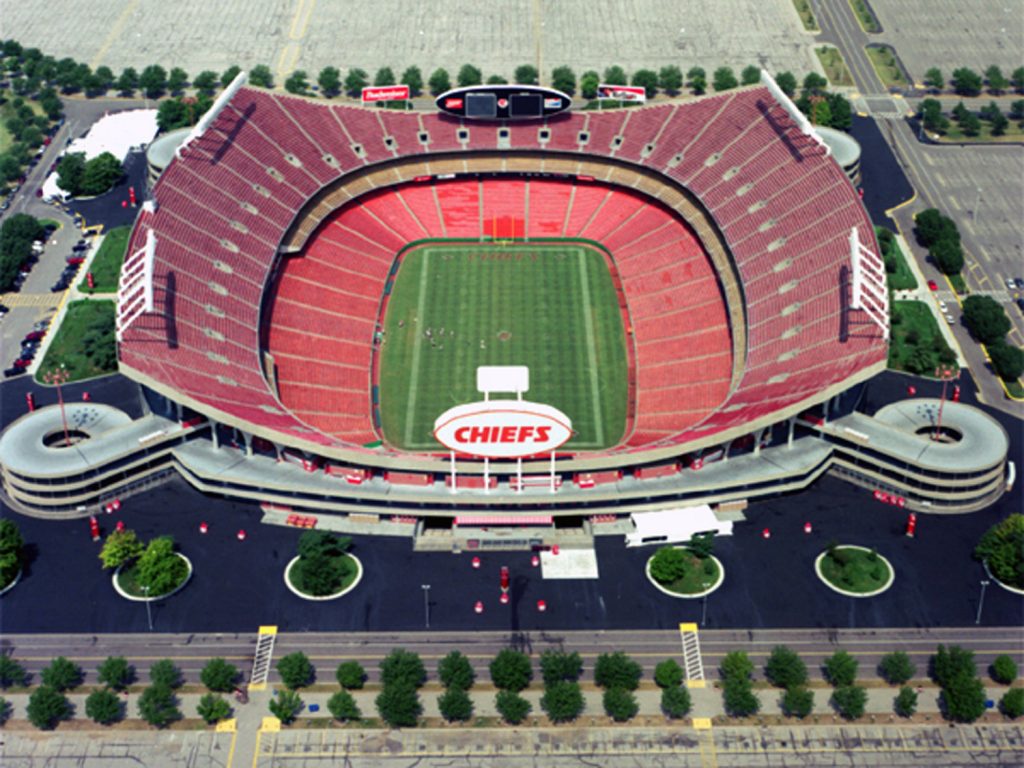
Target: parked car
x,y
74,261
950,319
1011,284
61,285
932,285
1020,283
14,370
34,335
942,307
1020,304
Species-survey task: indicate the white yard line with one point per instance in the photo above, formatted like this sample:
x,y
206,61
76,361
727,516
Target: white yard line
x,y
414,374
591,351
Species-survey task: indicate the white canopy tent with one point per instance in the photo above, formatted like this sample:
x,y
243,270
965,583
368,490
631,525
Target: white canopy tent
x,y
674,526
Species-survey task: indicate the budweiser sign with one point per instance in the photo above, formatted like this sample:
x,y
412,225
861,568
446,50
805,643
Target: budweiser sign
x,y
502,429
633,93
385,93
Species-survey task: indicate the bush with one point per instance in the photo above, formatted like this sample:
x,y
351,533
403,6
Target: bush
x,y
103,707
116,672
511,670
739,698
1012,703
1002,549
218,675
675,702
963,698
1003,669
736,665
286,705
849,701
165,673
322,566
562,701
47,706
351,675
512,707
213,708
784,668
469,75
617,670
399,705
455,671
798,702
558,665
120,547
896,668
985,319
11,544
159,569
905,704
841,669
343,707
295,669
619,704
949,664
668,674
1007,360
158,706
668,565
5,710
455,705
403,667
62,674
11,672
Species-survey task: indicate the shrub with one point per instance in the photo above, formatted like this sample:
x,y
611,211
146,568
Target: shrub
x,y
798,702
164,673
159,569
343,707
295,670
702,544
841,669
218,675
11,672
558,665
668,565
11,544
455,671
158,705
1004,669
963,698
213,708
896,668
736,664
619,704
351,675
1002,549
47,706
949,664
116,672
739,698
103,706
784,668
906,702
286,705
455,705
512,707
120,547
675,702
62,674
668,674
617,670
402,666
1012,703
511,670
562,701
5,710
398,704
849,701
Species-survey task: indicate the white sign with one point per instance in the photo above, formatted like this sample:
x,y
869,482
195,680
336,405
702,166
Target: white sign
x,y
502,429
503,378
634,93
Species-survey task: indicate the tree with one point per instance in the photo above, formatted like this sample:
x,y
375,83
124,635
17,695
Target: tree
x,y
896,668
286,706
350,675
736,665
814,85
165,673
343,707
295,670
670,79
100,174
648,80
971,125
963,698
588,84
329,81
931,227
219,675
11,672
62,674
842,112
739,698
821,113
697,79
297,82
47,706
751,75
398,705
948,256
966,82
177,80
668,674
11,544
455,705
511,670
153,81
785,669
159,569
496,80
617,670
786,82
230,74
205,82
985,319
171,114
620,704
615,75
1017,79
701,544
1012,703
213,708
932,117
402,666
849,701
675,702
1007,360
512,707
841,669
103,706
469,75
1003,669
1001,548
563,79
261,76
384,76
116,672
934,80
526,74
724,79
414,79
559,665
947,664
997,82
455,671
158,706
70,171
668,565
439,82
798,702
562,701
905,703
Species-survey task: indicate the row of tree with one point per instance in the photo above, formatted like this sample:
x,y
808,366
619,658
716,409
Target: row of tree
x,y
966,82
970,123
17,234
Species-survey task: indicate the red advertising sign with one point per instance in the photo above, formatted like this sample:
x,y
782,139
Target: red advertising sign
x,y
622,93
373,93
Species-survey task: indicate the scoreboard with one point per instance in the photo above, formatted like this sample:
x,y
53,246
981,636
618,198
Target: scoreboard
x,y
503,102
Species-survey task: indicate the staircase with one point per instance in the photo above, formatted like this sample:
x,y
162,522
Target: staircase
x,y
262,658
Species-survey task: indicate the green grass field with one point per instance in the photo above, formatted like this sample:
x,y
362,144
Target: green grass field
x,y
106,266
550,307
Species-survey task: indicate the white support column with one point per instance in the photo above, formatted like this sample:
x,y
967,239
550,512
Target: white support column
x,y
455,479
792,430
519,474
213,434
552,471
487,475
869,288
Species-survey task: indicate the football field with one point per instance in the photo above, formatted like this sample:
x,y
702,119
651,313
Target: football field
x,y
456,307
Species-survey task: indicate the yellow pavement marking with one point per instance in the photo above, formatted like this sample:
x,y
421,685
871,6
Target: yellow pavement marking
x,y
256,750
234,738
268,629
270,725
257,686
688,626
696,684
115,32
300,21
227,726
702,723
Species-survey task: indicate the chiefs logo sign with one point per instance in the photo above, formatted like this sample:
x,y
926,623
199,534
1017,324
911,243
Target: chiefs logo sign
x,y
502,429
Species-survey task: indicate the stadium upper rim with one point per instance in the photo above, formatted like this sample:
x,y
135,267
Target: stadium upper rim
x,y
771,208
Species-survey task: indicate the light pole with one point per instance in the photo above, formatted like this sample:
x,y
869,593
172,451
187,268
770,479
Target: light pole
x,y
58,376
981,600
149,611
426,604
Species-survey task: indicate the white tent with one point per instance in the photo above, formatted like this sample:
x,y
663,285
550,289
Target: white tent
x,y
674,526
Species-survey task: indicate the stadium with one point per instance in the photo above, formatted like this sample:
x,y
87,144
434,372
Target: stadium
x,y
693,284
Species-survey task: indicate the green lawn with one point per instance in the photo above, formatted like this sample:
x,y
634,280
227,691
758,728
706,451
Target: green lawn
x,y
916,339
551,307
888,69
106,266
835,68
865,17
295,575
699,576
954,133
84,344
127,579
901,279
855,570
803,9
